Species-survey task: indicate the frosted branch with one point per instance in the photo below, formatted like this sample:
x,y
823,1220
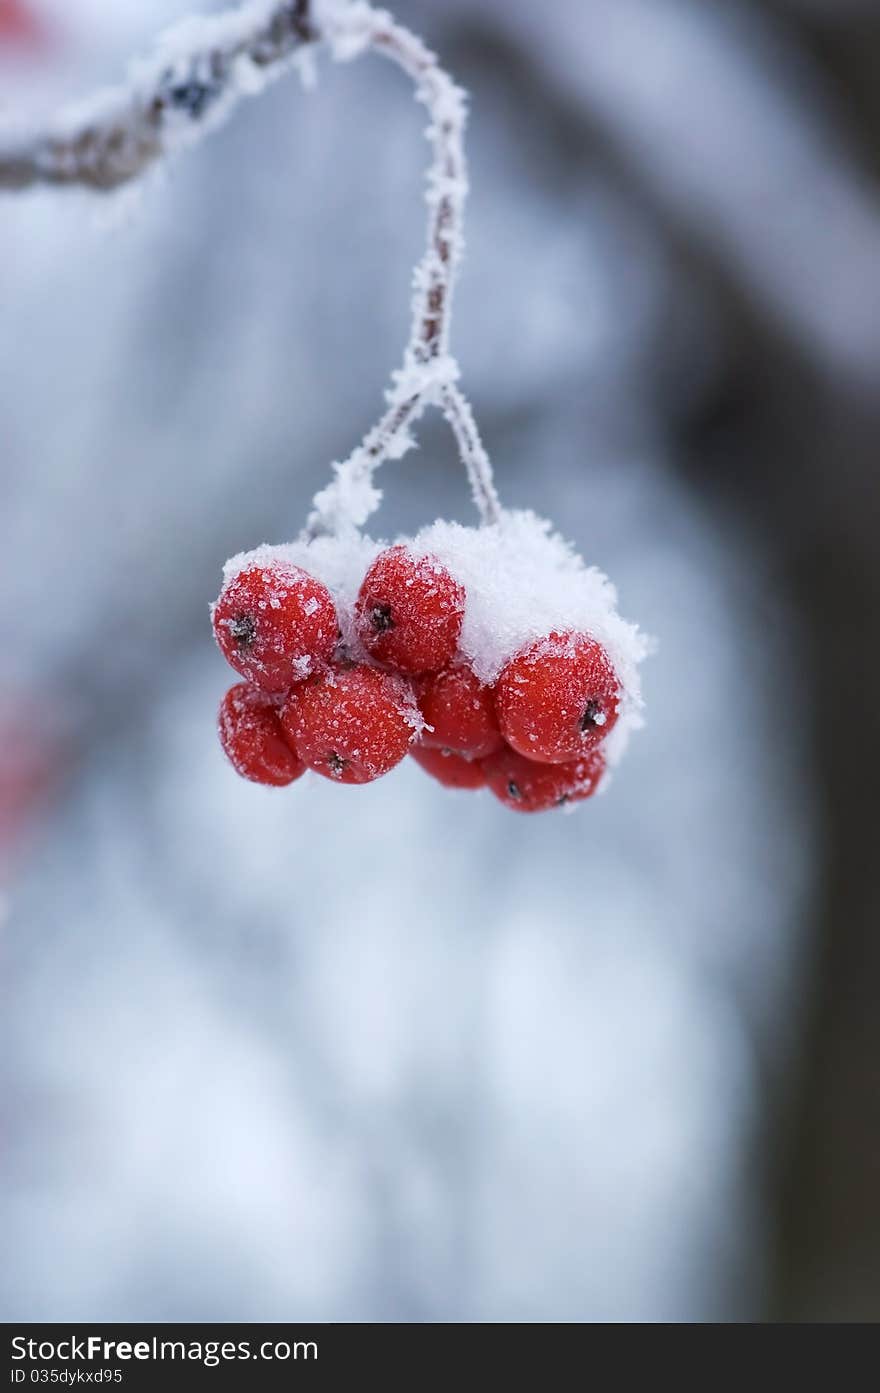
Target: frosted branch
x,y
202,68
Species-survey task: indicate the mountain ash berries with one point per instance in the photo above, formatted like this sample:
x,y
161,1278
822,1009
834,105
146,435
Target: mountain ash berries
x,y
448,768
529,787
409,612
459,713
558,699
346,678
274,624
350,722
252,738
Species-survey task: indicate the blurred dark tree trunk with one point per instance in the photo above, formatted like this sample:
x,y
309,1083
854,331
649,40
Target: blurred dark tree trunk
x,y
823,1129
798,456
794,452
820,492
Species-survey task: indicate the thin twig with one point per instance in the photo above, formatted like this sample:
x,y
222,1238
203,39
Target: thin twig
x,y
457,410
201,69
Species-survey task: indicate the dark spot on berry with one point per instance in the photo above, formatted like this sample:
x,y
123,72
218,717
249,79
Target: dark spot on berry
x,y
588,719
561,801
380,618
336,764
244,630
513,790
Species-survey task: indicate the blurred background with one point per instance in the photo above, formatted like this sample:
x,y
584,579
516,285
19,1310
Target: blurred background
x,y
395,1053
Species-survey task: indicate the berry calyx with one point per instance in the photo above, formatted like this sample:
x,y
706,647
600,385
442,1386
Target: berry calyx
x,y
527,787
460,710
274,622
559,698
448,768
252,739
351,723
409,612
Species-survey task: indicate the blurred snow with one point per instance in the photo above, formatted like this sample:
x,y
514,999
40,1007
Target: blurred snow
x,y
388,1053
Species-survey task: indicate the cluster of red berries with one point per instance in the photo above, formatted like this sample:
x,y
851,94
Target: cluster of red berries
x,y
533,738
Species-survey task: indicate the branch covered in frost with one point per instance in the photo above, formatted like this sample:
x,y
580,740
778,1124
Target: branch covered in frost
x,y
201,70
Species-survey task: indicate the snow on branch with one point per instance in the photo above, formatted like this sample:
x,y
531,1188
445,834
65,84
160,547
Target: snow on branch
x,y
200,71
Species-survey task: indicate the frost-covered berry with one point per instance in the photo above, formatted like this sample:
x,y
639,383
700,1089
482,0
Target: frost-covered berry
x,y
559,698
528,787
460,710
274,622
448,768
409,611
351,723
252,739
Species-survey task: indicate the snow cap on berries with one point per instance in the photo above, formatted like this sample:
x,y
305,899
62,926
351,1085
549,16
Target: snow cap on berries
x,y
522,582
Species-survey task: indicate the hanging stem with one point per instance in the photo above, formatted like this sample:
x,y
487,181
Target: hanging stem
x,y
429,373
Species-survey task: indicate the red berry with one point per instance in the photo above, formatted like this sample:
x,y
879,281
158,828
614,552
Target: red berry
x,y
559,698
448,768
352,724
252,738
274,622
528,787
409,611
460,711
18,24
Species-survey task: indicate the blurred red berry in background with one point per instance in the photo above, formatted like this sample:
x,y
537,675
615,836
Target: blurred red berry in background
x,y
29,764
19,25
